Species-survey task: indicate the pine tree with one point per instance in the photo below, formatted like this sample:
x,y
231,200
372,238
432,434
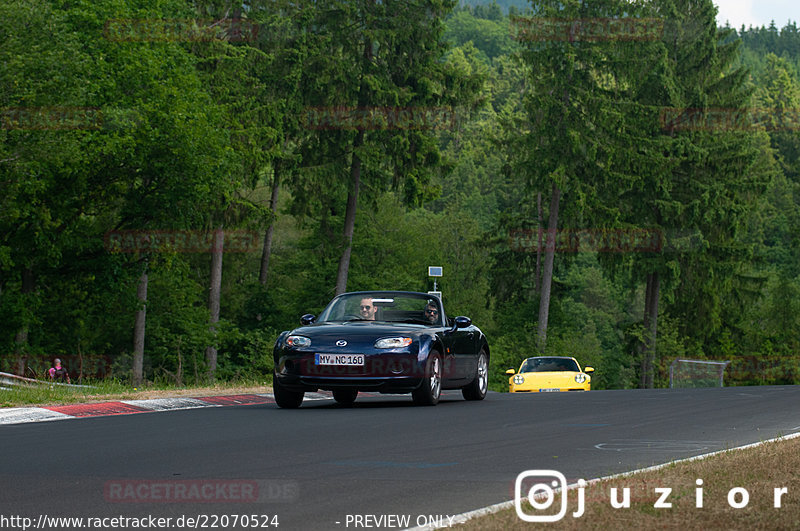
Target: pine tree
x,y
710,182
382,63
576,145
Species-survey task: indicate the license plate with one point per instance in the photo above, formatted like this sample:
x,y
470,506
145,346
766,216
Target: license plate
x,y
340,359
550,390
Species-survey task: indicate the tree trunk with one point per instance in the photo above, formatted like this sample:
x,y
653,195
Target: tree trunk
x,y
214,298
538,278
547,273
651,327
350,216
273,205
355,179
80,363
21,337
643,359
139,328
179,372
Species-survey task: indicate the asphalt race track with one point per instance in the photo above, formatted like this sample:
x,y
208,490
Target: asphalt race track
x,y
322,466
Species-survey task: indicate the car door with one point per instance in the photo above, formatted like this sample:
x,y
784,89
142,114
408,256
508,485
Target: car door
x,y
459,355
464,340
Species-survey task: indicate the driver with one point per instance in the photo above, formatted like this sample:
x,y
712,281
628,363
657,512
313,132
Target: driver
x,y
432,312
367,309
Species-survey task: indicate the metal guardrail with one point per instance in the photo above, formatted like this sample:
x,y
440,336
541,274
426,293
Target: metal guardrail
x,y
8,380
720,371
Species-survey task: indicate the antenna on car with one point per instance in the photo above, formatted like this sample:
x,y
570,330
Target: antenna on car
x,y
434,272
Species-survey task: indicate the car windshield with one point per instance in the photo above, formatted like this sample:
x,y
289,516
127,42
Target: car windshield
x,y
382,307
549,365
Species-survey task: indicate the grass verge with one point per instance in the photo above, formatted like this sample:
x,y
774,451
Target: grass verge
x,y
48,395
718,502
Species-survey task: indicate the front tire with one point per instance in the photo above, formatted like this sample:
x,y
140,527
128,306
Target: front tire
x,y
476,390
431,389
345,396
284,397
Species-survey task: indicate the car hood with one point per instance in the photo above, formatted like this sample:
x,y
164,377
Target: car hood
x,y
357,333
545,380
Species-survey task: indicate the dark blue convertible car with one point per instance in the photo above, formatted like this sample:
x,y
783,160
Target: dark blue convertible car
x,y
381,341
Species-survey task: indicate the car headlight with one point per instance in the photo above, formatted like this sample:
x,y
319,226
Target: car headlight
x,y
580,378
393,342
298,341
519,379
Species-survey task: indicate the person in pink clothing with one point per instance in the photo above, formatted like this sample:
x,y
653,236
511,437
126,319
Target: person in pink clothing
x,y
58,372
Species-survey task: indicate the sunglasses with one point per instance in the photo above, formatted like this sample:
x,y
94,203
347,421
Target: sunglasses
x,y
434,312
366,307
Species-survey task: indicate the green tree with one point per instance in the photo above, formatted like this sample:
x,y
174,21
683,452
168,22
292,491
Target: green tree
x,y
709,185
155,159
46,120
575,140
491,37
380,56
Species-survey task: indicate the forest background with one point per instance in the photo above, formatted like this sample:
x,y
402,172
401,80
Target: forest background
x,y
289,151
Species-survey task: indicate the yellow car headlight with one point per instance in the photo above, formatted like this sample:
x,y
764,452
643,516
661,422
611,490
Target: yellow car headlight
x,y
519,379
580,378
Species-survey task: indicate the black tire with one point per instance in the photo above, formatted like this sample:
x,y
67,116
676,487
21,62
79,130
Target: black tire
x,y
284,397
345,396
476,390
431,389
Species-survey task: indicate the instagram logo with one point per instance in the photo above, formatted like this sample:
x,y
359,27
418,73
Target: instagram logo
x,y
542,493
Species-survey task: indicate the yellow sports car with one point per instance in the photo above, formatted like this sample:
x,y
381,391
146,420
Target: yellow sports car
x,y
542,374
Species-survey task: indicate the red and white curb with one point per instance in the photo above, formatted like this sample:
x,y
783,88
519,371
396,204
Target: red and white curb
x,y
21,415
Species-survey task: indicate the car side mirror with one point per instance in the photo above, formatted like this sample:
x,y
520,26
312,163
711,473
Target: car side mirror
x,y
511,372
307,319
588,370
459,322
